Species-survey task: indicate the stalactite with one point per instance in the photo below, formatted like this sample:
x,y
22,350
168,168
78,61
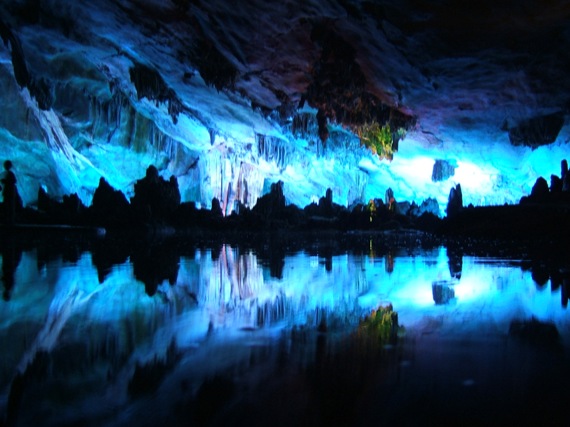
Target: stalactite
x,y
107,116
304,125
161,142
118,115
272,149
150,84
52,130
19,65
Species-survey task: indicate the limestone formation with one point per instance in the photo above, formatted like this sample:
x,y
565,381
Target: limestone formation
x,y
455,201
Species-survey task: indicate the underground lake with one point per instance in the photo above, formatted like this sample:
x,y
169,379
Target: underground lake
x,y
350,329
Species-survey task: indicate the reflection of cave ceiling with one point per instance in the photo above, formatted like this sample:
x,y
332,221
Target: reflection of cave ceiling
x,y
237,68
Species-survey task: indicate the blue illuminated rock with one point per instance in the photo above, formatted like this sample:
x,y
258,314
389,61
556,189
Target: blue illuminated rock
x,y
227,104
442,292
442,170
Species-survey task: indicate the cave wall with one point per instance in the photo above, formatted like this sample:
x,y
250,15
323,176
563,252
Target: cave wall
x,y
108,88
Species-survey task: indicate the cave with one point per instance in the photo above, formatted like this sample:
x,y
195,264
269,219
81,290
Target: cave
x,y
212,154
383,90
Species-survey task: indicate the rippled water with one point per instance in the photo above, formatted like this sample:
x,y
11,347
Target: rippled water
x,y
218,334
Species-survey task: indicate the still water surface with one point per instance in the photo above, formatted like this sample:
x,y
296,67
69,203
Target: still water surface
x,y
227,335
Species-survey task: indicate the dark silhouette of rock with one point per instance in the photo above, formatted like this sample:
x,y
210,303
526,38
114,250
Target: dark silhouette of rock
x,y
326,209
110,207
326,203
404,207
359,217
539,190
565,176
155,199
45,202
555,184
390,200
455,201
429,205
216,209
70,210
271,205
428,222
73,204
12,203
442,170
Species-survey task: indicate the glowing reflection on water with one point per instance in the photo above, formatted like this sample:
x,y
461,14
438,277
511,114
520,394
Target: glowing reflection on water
x,y
218,308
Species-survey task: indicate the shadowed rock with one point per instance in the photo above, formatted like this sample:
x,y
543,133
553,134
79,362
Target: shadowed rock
x,y
442,169
537,131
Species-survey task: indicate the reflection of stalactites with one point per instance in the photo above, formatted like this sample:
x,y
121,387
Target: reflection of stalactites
x,y
273,311
242,191
328,263
244,285
560,279
372,252
361,283
442,292
540,274
229,266
327,254
389,262
455,261
565,294
11,256
61,309
234,278
240,269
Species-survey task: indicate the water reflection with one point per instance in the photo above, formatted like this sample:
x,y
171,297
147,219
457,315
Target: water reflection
x,y
11,254
112,333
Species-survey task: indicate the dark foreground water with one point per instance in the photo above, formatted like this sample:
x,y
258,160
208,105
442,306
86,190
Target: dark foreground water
x,y
96,333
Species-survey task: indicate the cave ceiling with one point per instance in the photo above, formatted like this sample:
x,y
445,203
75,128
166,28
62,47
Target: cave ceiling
x,y
443,62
